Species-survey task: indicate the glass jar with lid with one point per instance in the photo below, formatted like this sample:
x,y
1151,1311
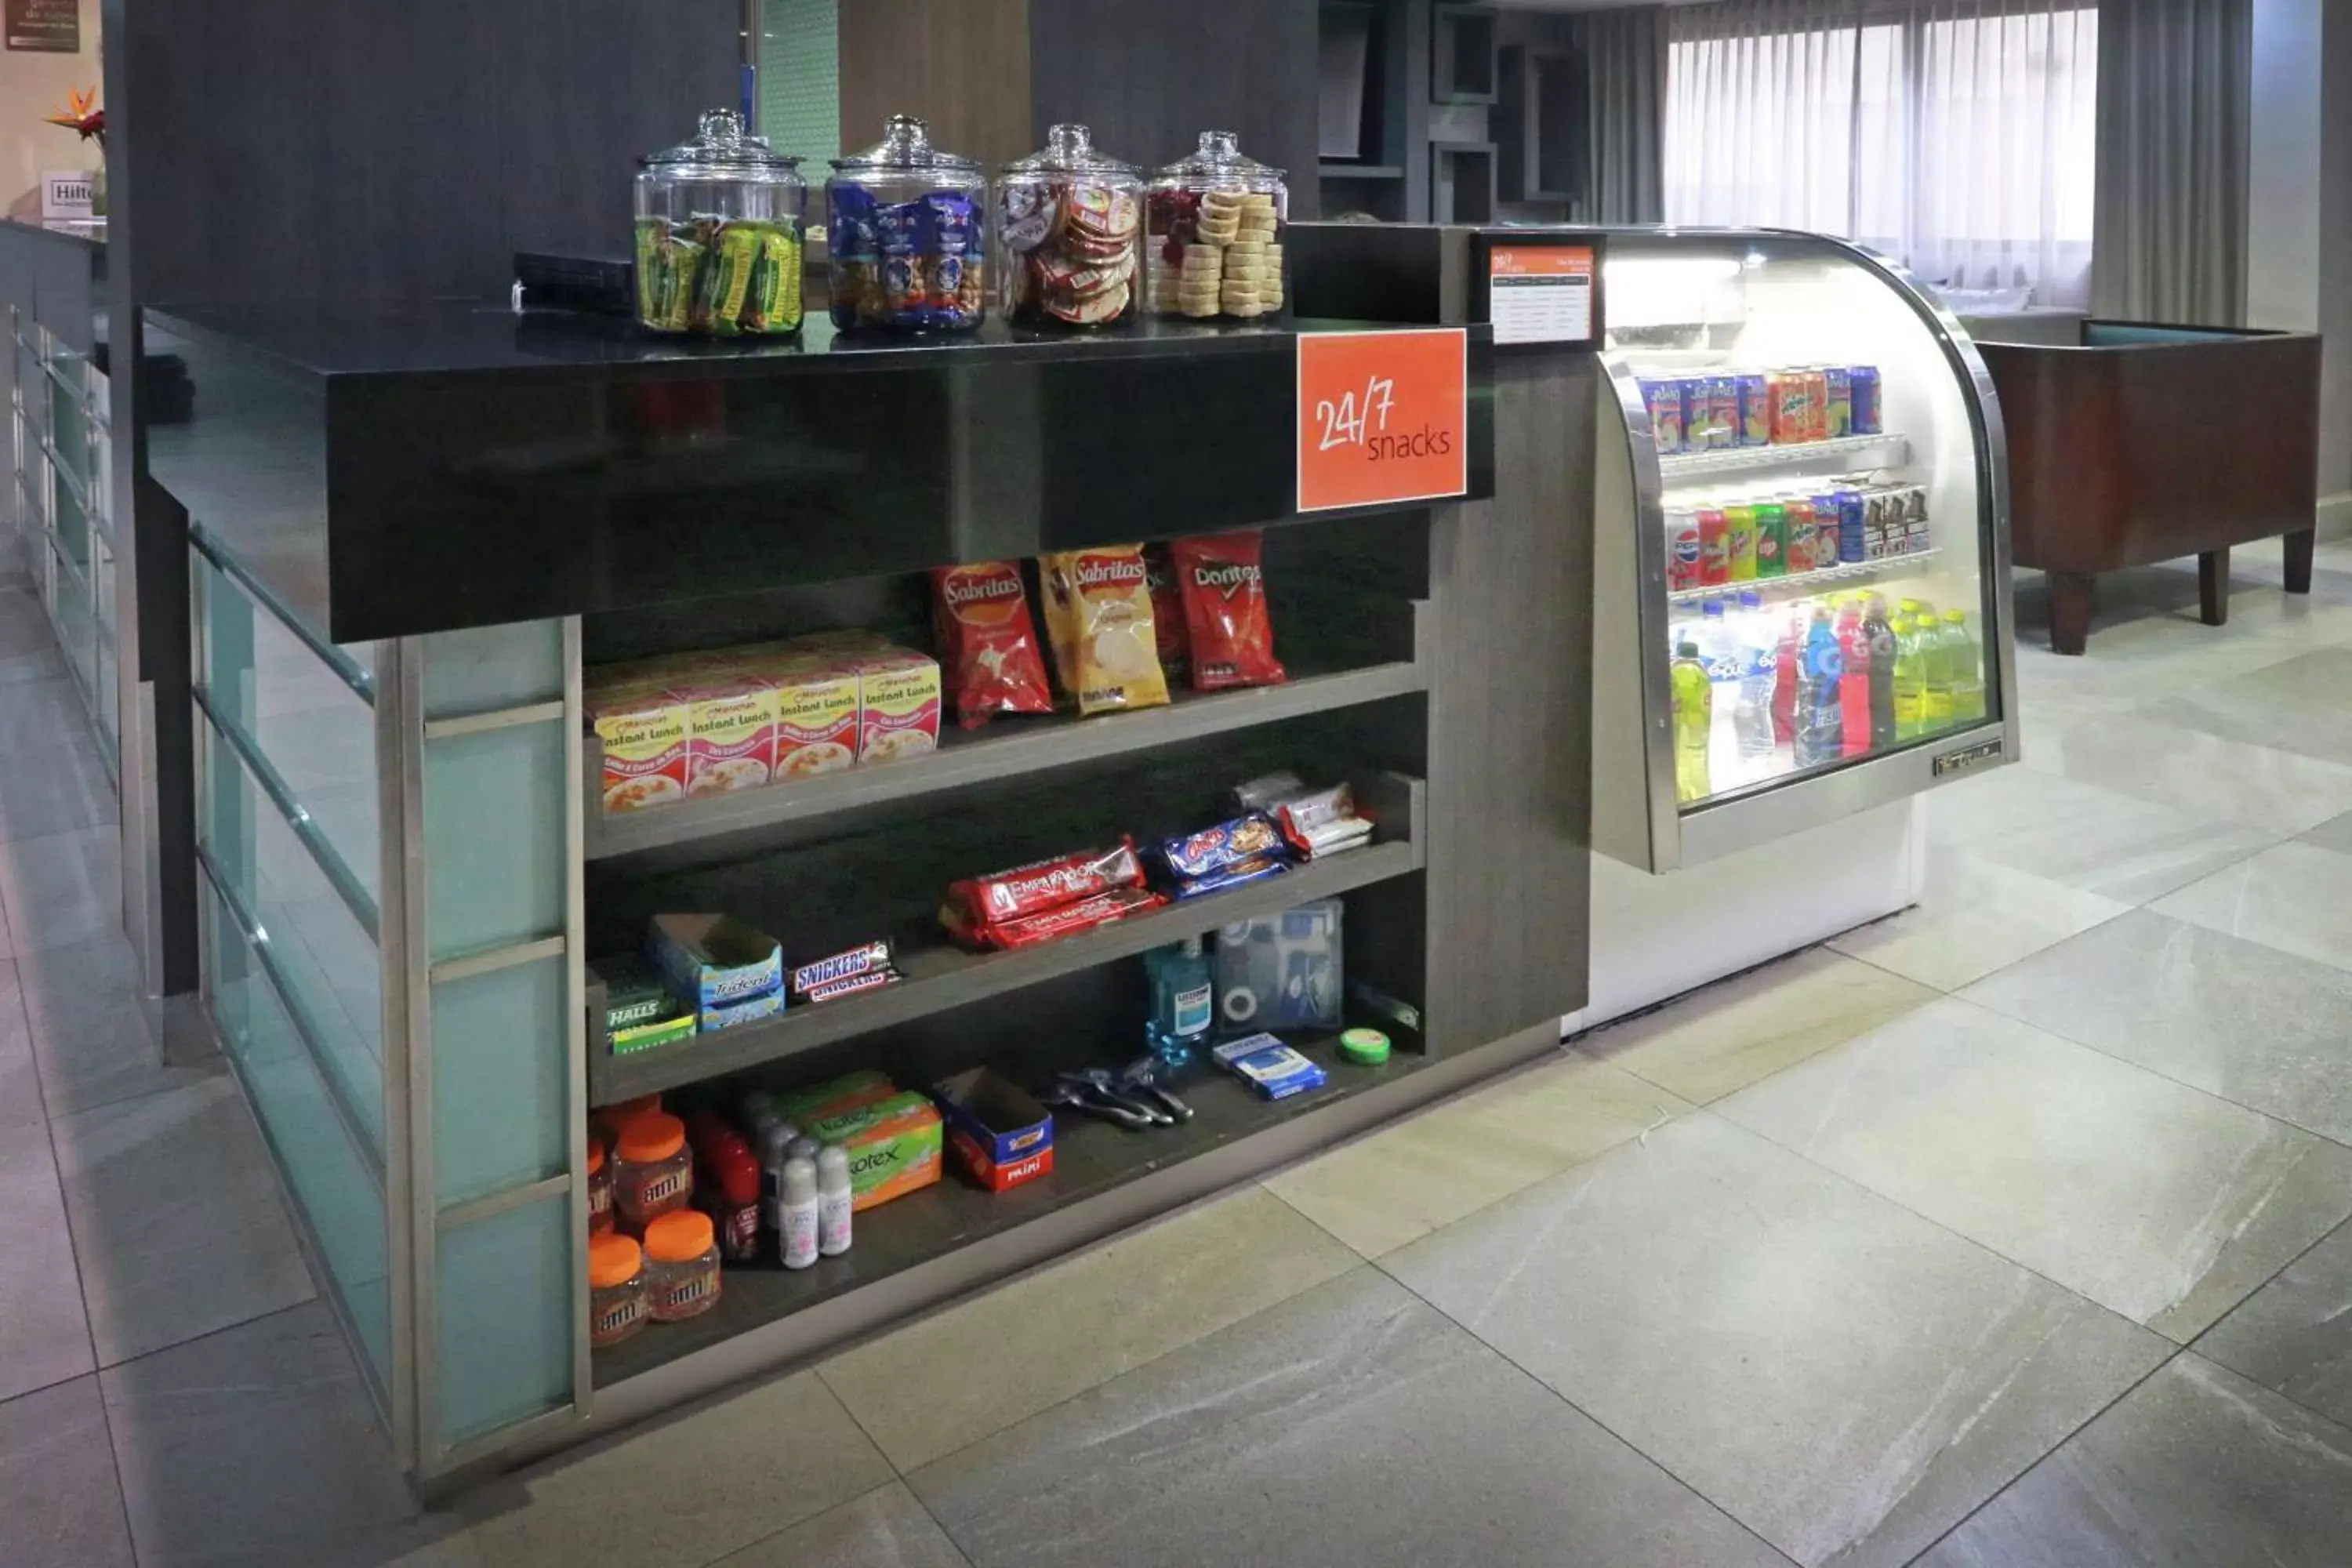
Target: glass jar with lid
x,y
905,235
719,234
616,1290
681,1267
1215,220
655,1172
1069,226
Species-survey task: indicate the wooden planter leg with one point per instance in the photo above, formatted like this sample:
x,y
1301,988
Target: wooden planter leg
x,y
2073,596
2213,586
2298,558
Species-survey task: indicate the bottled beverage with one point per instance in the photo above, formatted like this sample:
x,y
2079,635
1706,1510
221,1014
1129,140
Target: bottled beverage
x,y
1789,639
1936,665
1878,629
1853,687
1820,717
1910,680
1968,668
1693,724
1760,657
1720,649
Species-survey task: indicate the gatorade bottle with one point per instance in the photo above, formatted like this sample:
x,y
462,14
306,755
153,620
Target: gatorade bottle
x,y
1880,629
1785,660
1760,754
1853,690
1968,668
1820,717
1936,658
1910,681
1693,722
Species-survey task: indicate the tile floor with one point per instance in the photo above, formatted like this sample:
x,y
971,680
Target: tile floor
x,y
2013,1230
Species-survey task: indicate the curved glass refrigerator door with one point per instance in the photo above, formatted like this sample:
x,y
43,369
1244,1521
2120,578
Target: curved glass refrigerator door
x,y
1802,567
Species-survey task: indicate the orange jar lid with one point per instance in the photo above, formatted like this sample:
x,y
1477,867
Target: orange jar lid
x,y
679,1237
595,1155
656,1136
612,1260
626,1112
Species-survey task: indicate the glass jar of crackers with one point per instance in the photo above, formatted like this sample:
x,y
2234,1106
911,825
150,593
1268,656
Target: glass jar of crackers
x,y
1069,233
1215,221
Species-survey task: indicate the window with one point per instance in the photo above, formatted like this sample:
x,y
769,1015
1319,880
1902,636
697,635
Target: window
x,y
1956,135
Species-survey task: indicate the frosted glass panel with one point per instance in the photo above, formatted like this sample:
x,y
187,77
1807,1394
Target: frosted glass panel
x,y
504,1290
494,808
500,1048
492,667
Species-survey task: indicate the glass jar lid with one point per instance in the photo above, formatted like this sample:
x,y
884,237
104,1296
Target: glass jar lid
x,y
906,144
1219,161
721,148
1069,149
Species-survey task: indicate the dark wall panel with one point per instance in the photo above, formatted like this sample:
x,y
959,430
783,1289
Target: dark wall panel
x,y
963,64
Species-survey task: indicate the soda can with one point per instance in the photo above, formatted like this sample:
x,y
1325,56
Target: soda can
x,y
1853,513
1714,548
1798,551
1682,551
1817,403
1829,529
1866,417
1663,399
1740,543
1751,390
1838,416
1787,391
1771,539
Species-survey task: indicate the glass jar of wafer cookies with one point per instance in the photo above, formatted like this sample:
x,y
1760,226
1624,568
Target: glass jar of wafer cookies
x,y
1216,235
1069,234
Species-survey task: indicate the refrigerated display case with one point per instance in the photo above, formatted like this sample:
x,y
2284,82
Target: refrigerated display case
x,y
1801,593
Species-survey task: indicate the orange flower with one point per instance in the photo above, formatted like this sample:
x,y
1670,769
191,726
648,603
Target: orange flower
x,y
82,115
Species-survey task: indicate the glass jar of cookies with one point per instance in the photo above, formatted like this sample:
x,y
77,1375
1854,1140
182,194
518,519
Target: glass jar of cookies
x,y
905,235
1069,233
1215,244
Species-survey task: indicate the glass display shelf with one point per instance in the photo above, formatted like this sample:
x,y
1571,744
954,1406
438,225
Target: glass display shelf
x,y
1890,451
1805,582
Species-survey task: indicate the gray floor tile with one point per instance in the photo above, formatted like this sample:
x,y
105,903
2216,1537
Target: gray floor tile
x,y
25,668
1844,1377
1350,1426
38,715
2295,1334
55,790
2084,837
62,887
176,1218
1975,917
2335,834
2196,1469
60,1505
2200,774
20,1076
2295,705
251,1449
2232,1017
93,1036
45,1339
2158,1202
887,1528
2295,897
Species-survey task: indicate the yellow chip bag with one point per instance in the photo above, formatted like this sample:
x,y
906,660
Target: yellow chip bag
x,y
1099,618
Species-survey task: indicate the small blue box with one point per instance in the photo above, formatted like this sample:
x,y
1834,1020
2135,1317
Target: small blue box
x,y
1269,1066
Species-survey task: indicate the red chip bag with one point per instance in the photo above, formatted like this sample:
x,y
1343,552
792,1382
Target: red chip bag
x,y
988,642
1230,630
1167,613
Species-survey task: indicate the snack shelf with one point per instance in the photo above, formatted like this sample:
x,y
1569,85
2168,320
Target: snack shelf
x,y
1006,749
1848,571
1092,1160
1682,466
941,977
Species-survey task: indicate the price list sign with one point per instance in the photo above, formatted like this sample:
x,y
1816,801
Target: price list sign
x,y
1540,293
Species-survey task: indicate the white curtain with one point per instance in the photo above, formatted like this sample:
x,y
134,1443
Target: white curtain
x,y
1958,136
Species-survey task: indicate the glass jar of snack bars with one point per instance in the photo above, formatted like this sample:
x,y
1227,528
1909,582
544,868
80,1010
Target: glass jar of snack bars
x,y
1216,235
719,234
905,235
1069,230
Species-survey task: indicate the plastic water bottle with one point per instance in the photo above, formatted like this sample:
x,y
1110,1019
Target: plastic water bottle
x,y
1968,668
1853,687
1910,680
1760,660
1936,662
1693,722
1879,628
1821,715
1726,629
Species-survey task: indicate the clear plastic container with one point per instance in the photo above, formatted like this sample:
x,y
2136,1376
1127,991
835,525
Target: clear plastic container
x,y
1215,221
1069,234
599,1188
682,1274
655,1172
719,234
906,236
616,1290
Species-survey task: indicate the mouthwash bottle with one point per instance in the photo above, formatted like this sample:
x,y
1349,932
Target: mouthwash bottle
x,y
1184,1000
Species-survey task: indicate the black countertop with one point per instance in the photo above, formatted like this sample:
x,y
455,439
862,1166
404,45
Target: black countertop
x,y
393,471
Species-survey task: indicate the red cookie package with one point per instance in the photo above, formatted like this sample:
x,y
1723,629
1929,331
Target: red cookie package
x,y
987,641
1225,615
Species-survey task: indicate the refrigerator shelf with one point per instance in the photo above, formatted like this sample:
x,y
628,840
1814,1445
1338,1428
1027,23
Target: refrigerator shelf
x,y
1846,571
1679,467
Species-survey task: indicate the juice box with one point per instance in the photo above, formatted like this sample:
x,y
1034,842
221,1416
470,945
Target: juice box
x,y
1711,413
1752,392
1840,402
642,723
898,704
1664,401
894,1147
730,734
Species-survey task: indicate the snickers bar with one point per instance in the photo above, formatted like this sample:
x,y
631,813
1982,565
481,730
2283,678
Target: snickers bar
x,y
867,958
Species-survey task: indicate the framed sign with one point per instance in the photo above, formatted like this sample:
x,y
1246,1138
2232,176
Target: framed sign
x,y
67,194
42,26
1383,417
1543,285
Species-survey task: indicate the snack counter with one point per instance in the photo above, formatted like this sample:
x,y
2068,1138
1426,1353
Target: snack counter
x,y
710,847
